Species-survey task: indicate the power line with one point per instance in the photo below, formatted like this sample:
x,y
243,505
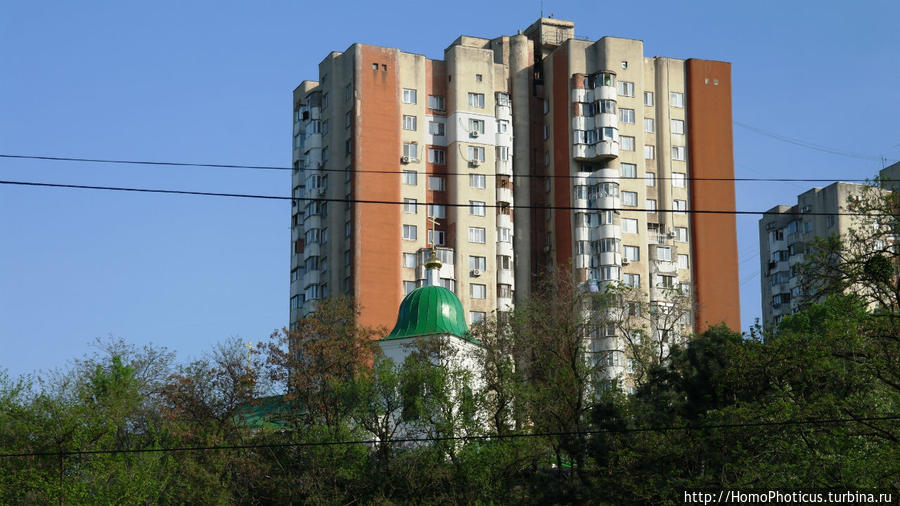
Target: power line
x,y
423,172
635,430
805,144
417,204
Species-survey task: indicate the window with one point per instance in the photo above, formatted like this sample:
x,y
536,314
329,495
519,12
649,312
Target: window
x,y
409,96
546,132
609,273
502,126
504,291
648,98
677,126
581,192
409,260
629,199
651,204
325,154
437,156
627,143
678,179
436,237
678,153
649,152
409,122
410,233
436,128
632,280
682,261
664,253
504,234
476,100
411,149
626,115
476,180
503,153
408,286
409,177
477,263
295,302
608,245
666,281
436,102
348,92
504,262
676,99
632,253
347,228
476,317
681,234
629,225
476,208
478,291
650,178
649,125
476,154
325,127
476,125
476,234
324,100
409,206
629,170
478,78
680,206
437,210
436,183
625,89
347,119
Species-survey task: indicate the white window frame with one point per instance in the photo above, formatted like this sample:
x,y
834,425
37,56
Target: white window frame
x,y
649,125
632,280
477,235
437,103
476,100
649,152
478,290
648,98
410,177
683,262
631,253
437,156
410,95
477,208
476,154
477,181
626,115
410,233
679,180
629,199
678,126
629,170
410,261
664,253
626,142
476,317
625,88
681,234
680,206
629,226
477,262
411,150
410,206
438,211
676,99
436,183
436,128
678,153
436,237
409,122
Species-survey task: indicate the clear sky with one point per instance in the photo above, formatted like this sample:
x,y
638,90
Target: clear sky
x,y
211,81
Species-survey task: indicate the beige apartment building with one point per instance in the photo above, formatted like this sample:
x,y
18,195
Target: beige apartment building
x,y
510,156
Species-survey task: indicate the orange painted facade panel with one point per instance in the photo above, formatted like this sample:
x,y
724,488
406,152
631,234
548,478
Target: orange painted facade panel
x,y
562,194
711,155
377,234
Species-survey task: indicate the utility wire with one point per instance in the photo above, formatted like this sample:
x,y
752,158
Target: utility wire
x,y
423,172
786,423
417,204
805,144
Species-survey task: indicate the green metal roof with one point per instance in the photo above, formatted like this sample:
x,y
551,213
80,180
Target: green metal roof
x,y
430,310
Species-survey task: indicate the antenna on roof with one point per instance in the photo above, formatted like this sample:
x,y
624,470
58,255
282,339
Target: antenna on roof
x,y
542,8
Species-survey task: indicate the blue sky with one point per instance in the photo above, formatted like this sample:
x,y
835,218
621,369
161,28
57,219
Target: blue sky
x,y
208,81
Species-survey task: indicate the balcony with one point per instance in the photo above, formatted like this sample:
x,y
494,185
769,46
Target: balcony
x,y
504,195
506,277
505,248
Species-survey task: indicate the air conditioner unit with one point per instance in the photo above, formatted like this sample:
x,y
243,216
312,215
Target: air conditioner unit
x,y
321,191
670,235
806,209
404,159
476,273
625,261
475,163
474,133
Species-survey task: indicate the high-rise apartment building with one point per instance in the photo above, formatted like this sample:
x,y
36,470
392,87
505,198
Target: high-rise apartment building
x,y
785,236
509,156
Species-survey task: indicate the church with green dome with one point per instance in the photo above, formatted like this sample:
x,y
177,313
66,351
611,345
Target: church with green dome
x,y
433,313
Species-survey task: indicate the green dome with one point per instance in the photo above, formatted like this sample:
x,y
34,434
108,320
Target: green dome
x,y
430,310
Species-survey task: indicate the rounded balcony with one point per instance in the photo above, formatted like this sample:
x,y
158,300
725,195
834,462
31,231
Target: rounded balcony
x,y
505,248
605,119
605,93
506,277
505,195
312,278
